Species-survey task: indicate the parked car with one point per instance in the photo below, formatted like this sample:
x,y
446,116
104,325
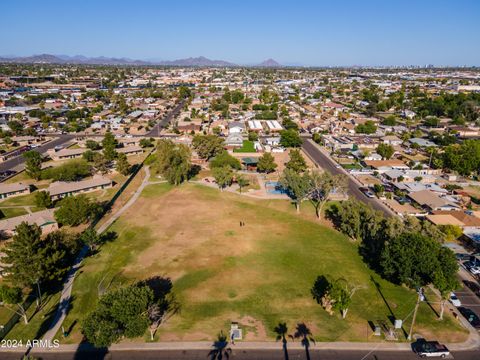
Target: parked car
x,y
475,270
455,300
462,257
471,317
367,192
472,286
430,349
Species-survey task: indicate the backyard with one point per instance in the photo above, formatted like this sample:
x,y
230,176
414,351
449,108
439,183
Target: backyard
x,y
258,274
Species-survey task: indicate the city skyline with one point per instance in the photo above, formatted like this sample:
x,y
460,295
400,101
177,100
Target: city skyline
x,y
308,34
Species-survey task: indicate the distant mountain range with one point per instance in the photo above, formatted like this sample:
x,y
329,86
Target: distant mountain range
x,y
200,61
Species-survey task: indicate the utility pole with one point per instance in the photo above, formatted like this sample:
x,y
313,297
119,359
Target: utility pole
x,y
419,299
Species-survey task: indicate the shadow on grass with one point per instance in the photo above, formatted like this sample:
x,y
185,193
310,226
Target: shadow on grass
x,y
52,315
392,316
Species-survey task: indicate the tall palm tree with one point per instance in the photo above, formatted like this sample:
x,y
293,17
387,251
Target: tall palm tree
x,y
281,330
220,348
303,332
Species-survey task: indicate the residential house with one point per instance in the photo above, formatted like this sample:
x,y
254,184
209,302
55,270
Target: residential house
x,y
15,189
45,219
61,189
431,201
130,150
66,154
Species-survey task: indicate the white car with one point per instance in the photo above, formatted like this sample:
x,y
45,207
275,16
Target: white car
x,y
475,270
455,300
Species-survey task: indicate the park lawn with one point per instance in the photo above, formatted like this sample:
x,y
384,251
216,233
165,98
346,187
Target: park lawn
x,y
39,321
12,212
258,275
22,200
247,147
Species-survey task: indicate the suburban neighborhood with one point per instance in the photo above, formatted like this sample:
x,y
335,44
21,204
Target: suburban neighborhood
x,y
205,208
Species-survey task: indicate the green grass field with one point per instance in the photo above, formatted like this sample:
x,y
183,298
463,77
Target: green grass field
x,y
257,275
247,147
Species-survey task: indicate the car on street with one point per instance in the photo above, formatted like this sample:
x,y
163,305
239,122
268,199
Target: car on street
x,y
471,317
430,349
475,270
367,192
455,300
462,257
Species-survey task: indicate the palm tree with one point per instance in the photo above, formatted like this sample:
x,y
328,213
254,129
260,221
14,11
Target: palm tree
x,y
220,348
303,332
281,330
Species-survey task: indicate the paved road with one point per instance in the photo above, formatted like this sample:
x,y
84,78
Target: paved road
x,y
17,163
326,163
237,354
155,132
466,296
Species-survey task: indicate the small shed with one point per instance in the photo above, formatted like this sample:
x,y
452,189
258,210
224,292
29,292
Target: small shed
x,y
250,163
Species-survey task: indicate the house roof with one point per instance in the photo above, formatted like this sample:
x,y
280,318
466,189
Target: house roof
x,y
461,216
129,149
444,219
40,218
9,188
383,163
69,152
62,187
428,198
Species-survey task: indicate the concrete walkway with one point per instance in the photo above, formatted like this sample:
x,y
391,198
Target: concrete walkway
x,y
65,297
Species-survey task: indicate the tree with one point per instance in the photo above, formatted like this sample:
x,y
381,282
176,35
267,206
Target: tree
x,y
144,143
23,255
303,332
173,161
225,159
298,186
42,199
297,162
90,238
322,185
220,348
252,136
71,170
281,330
223,176
89,155
390,120
290,138
411,259
75,210
33,164
444,279
120,313
32,260
92,145
13,296
242,182
109,143
368,128
266,163
452,232
386,151
207,146
100,163
122,166
333,294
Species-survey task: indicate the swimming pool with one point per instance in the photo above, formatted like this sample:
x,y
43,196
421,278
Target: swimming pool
x,y
274,187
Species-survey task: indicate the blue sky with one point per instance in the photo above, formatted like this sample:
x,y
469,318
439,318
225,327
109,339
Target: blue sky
x,y
340,32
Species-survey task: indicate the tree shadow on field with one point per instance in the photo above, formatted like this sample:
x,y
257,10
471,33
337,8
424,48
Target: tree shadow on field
x,y
392,316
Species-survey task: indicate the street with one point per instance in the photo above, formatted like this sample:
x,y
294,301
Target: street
x,y
326,163
17,162
237,354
